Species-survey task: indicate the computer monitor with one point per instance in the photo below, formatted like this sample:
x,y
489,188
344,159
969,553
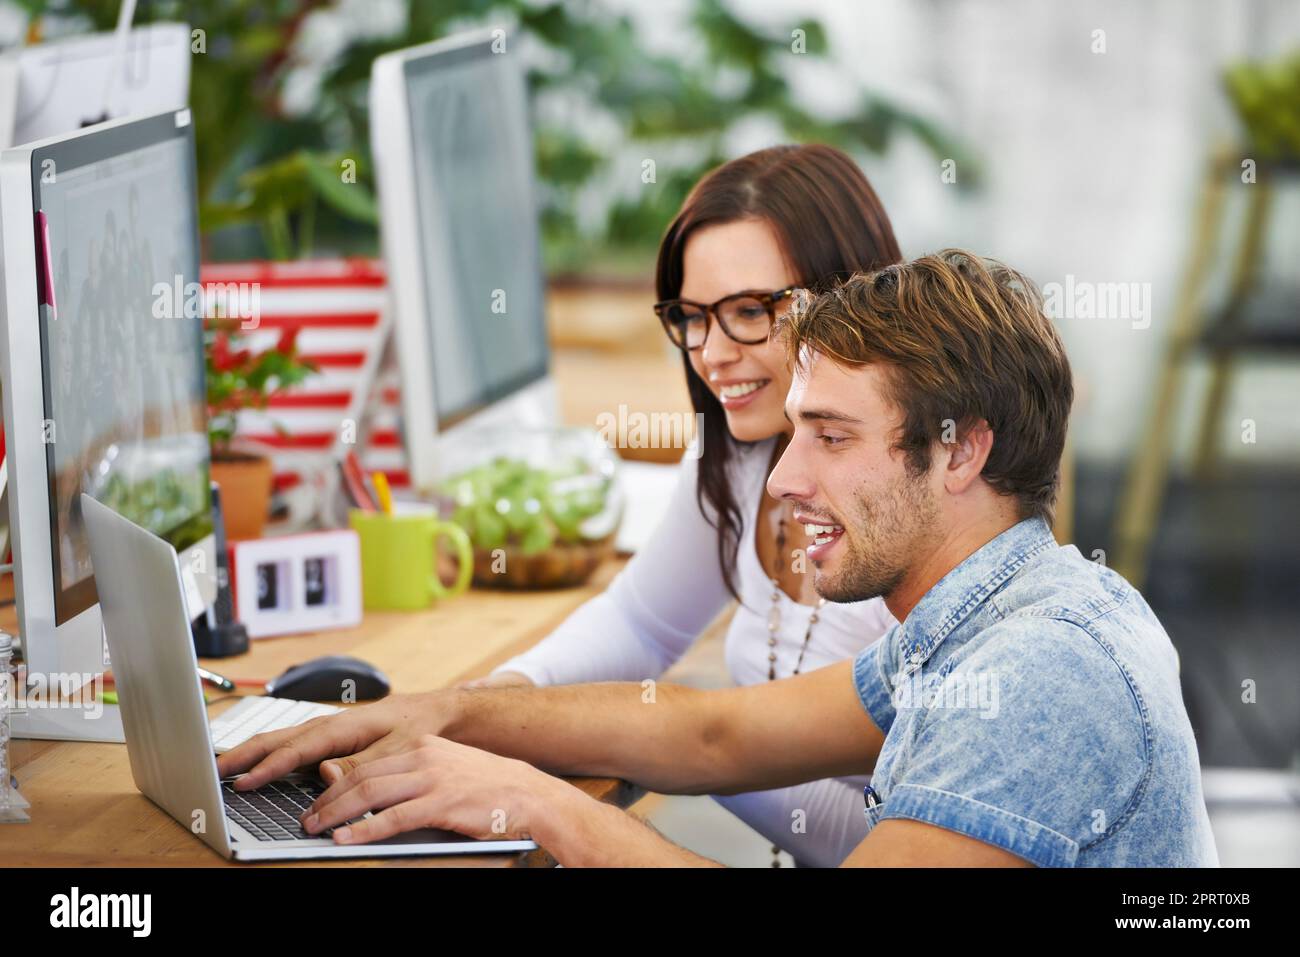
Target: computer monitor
x,y
69,83
103,367
63,85
454,169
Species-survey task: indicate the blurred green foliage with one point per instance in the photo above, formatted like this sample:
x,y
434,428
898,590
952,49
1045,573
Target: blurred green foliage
x,y
1267,99
279,176
507,501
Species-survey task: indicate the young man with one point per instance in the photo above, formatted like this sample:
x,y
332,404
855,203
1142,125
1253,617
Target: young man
x,y
1026,711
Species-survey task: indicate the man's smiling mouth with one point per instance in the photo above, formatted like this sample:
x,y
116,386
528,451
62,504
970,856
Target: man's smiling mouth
x,y
824,536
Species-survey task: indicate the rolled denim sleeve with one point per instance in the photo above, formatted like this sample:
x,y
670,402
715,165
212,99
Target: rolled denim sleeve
x,y
1036,744
871,678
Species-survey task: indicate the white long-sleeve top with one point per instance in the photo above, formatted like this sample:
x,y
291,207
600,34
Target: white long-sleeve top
x,y
668,594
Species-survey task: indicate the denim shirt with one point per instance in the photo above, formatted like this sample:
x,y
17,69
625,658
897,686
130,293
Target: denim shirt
x,y
1031,701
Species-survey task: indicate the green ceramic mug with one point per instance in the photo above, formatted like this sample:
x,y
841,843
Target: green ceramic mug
x,y
399,568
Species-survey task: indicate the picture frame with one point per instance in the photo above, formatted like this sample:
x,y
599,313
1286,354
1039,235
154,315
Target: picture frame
x,y
297,583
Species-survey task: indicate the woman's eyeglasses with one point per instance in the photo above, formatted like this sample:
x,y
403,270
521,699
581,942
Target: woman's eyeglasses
x,y
746,317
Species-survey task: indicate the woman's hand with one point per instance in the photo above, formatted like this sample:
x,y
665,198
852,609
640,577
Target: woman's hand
x,y
430,782
501,679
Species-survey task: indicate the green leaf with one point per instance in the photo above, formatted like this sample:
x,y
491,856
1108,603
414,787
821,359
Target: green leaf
x,y
215,216
353,200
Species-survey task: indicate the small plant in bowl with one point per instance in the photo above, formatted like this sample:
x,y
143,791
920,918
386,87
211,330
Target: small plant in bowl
x,y
542,515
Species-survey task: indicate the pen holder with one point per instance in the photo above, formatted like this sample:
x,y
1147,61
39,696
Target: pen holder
x,y
399,559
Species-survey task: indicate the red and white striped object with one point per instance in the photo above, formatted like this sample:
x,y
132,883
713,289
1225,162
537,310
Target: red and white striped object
x,y
339,308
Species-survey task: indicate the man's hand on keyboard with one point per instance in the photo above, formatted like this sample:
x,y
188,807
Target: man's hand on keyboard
x,y
375,730
433,782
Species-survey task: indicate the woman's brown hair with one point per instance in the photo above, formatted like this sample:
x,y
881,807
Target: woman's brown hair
x,y
830,225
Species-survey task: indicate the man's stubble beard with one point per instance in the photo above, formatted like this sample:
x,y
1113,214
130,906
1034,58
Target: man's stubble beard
x,y
888,535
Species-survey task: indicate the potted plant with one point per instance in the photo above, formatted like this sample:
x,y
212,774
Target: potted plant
x,y
239,379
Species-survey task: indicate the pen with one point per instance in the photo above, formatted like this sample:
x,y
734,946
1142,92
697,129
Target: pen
x,y
110,697
220,681
354,480
225,684
383,492
870,797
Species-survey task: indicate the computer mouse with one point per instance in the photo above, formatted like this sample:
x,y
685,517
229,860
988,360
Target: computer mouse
x,y
332,678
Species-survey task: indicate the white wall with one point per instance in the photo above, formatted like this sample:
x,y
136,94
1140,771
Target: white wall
x,y
1091,160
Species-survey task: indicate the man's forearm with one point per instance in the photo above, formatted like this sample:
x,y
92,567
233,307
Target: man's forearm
x,y
661,737
579,831
673,739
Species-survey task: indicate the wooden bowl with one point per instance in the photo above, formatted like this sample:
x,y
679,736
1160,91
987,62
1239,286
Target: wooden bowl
x,y
563,565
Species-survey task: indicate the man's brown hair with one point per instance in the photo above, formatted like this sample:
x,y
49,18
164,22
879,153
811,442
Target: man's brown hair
x,y
961,339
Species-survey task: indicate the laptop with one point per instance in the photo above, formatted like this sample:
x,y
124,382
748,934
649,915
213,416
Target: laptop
x,y
138,578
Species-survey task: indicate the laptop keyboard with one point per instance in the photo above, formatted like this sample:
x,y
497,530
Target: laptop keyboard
x,y
253,715
271,812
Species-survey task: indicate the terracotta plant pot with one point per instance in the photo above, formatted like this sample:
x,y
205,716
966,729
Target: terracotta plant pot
x,y
245,482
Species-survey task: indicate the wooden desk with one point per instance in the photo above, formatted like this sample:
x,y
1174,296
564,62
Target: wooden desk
x,y
86,811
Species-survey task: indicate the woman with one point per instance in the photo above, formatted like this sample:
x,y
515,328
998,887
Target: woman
x,y
762,226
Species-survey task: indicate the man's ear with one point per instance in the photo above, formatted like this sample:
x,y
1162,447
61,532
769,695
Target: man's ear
x,y
969,450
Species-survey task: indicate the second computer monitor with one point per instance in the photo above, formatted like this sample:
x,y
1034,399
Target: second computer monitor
x,y
454,169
